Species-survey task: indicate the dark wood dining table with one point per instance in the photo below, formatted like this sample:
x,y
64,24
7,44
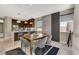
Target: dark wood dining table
x,y
33,37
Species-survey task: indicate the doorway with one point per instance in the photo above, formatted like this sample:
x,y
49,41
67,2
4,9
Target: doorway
x,y
66,26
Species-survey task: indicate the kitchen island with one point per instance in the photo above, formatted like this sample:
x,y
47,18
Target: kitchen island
x,y
18,34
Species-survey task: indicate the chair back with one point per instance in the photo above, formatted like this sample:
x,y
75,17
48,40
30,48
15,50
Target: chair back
x,y
41,43
49,39
24,42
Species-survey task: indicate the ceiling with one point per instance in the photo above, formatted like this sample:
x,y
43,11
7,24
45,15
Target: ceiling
x,y
27,11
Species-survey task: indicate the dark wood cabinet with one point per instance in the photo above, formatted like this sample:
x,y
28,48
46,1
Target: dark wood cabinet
x,y
17,35
30,23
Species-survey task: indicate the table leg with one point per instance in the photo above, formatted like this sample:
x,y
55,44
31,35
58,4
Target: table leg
x,y
31,48
21,44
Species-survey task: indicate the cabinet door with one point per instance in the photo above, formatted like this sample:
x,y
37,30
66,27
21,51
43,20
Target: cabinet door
x,y
55,26
16,37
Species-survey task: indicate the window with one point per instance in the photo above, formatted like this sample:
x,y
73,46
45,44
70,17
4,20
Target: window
x,y
64,21
39,25
1,26
62,24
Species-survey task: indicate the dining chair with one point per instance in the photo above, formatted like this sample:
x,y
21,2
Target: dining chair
x,y
40,44
24,44
49,40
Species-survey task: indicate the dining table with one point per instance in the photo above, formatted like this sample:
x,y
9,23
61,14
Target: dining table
x,y
34,37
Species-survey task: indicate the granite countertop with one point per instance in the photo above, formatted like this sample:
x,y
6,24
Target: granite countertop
x,y
22,31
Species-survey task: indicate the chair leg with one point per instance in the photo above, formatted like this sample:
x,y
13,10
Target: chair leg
x,y
25,49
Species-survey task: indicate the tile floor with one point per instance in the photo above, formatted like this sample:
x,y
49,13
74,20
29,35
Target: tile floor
x,y
8,44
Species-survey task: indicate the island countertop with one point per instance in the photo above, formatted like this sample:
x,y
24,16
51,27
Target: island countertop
x,y
18,34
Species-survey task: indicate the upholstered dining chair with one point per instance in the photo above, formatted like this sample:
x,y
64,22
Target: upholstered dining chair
x,y
24,44
40,43
49,40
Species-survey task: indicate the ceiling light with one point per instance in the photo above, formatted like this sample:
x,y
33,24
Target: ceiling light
x,y
14,25
18,21
25,22
31,22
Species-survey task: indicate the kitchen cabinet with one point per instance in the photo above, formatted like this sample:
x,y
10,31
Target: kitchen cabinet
x,y
23,24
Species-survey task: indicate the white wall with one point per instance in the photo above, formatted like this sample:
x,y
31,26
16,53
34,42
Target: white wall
x,y
47,24
75,41
7,27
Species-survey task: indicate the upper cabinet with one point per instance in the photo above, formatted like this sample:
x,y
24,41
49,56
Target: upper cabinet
x,y
29,23
16,24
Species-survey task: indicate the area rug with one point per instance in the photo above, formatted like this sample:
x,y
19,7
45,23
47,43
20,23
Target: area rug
x,y
17,51
41,51
53,51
